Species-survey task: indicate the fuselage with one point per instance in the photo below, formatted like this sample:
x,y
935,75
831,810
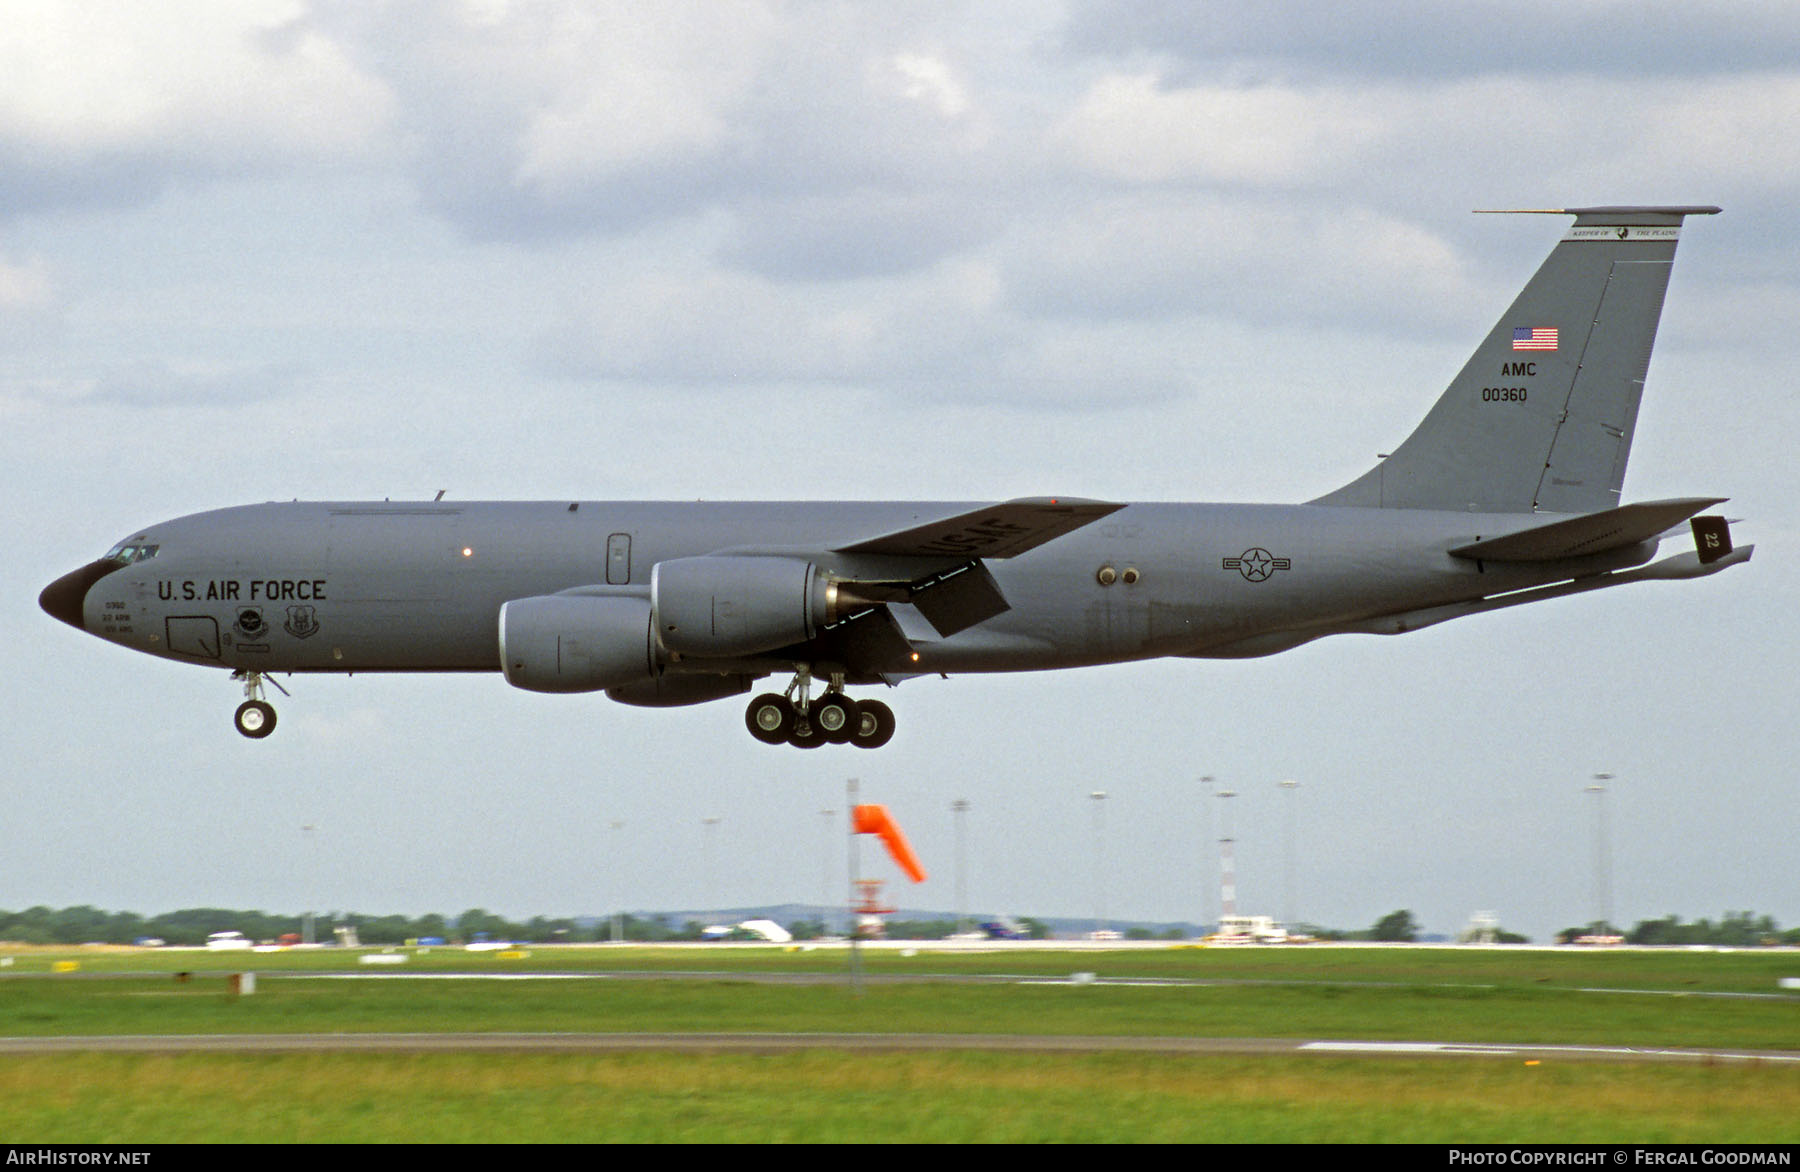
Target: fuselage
x,y
1508,492
397,586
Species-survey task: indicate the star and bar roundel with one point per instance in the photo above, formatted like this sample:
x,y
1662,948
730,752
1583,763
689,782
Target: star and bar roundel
x,y
1257,564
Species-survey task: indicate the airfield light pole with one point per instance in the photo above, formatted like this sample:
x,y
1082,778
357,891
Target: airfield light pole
x,y
1287,911
1227,878
618,918
312,882
1602,881
1206,912
960,807
1099,799
828,819
851,786
706,844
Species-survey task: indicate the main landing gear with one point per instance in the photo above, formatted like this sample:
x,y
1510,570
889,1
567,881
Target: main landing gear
x,y
834,718
255,717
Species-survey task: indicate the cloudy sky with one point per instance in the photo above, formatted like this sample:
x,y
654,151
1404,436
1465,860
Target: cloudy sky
x,y
260,249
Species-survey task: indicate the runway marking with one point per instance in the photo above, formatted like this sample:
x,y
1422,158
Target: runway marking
x,y
299,976
1523,1050
1406,1048
1078,980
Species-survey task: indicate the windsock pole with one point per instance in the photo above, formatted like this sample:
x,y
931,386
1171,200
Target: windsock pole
x,y
864,893
855,928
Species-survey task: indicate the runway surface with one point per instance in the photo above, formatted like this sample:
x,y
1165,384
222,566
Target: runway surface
x,y
751,1043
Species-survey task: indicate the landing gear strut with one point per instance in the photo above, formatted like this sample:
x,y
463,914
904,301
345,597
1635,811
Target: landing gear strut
x,y
255,717
796,719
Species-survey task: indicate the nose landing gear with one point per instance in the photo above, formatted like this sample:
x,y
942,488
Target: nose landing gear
x,y
255,717
795,719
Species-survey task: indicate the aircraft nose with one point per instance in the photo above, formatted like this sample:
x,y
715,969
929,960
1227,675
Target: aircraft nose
x,y
64,598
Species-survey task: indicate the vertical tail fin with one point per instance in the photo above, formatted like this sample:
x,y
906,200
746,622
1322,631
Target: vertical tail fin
x,y
1541,417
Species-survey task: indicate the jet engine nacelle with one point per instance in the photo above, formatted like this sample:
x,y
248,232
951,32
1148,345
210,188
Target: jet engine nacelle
x,y
575,643
731,606
673,691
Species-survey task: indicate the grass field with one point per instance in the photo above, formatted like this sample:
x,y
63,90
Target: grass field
x,y
1640,999
833,1097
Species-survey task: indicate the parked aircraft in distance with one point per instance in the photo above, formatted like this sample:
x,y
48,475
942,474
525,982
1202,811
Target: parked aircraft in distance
x,y
1507,493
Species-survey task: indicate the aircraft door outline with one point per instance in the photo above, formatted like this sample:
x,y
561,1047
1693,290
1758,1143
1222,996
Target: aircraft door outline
x,y
618,559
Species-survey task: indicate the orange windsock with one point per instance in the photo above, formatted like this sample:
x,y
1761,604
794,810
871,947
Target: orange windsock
x,y
875,820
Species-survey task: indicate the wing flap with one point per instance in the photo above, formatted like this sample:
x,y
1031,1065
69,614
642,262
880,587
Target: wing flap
x,y
952,600
1588,533
957,601
871,641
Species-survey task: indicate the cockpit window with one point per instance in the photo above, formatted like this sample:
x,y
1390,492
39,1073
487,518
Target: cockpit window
x,y
127,552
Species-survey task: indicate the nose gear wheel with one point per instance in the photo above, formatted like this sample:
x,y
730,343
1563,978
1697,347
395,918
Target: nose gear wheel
x,y
255,717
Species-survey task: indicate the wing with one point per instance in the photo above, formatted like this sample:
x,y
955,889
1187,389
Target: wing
x,y
997,531
951,588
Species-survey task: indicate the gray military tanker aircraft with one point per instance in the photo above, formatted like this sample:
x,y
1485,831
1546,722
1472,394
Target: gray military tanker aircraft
x,y
1507,493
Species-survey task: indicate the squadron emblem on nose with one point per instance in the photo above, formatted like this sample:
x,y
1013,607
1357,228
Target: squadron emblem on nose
x,y
302,622
1257,564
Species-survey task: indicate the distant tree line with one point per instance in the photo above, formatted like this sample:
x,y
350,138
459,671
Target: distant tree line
x,y
191,926
1735,930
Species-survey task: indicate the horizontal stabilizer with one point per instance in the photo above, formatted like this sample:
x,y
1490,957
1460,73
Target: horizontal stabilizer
x,y
997,531
1587,534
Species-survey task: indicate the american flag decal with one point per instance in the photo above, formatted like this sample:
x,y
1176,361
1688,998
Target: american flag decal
x,y
1534,338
